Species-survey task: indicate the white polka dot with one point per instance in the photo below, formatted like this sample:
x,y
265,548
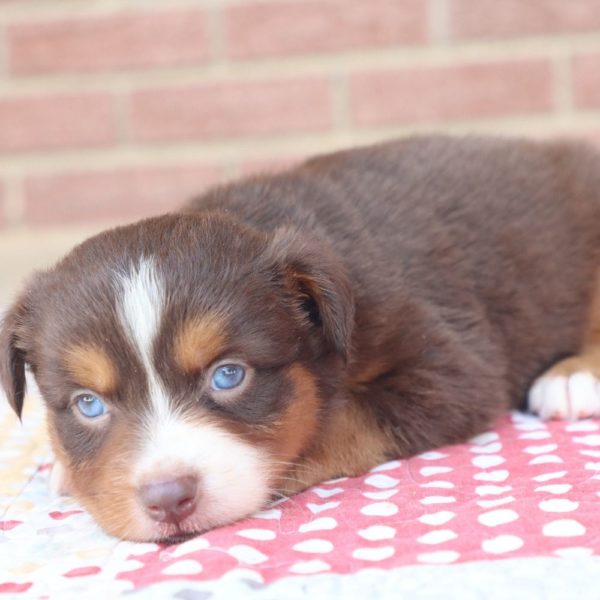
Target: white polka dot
x,y
521,417
434,455
247,554
317,508
183,567
525,422
193,545
502,544
492,490
497,476
327,492
545,459
379,509
574,552
563,528
429,471
533,426
377,532
549,476
496,502
492,448
497,517
388,466
543,449
592,466
438,536
257,534
314,546
307,567
588,440
442,557
382,495
584,425
437,518
374,554
437,500
484,438
485,461
382,481
592,453
555,488
446,485
320,524
535,435
558,505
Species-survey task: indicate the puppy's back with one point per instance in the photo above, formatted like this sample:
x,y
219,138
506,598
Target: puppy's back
x,y
507,227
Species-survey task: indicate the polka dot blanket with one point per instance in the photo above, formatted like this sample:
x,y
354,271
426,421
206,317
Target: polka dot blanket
x,y
520,504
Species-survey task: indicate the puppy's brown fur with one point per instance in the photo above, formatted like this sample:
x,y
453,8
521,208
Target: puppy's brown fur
x,y
389,300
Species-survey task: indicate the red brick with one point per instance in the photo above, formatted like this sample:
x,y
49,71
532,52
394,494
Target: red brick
x,y
121,195
586,80
233,109
57,121
520,17
445,93
275,29
108,42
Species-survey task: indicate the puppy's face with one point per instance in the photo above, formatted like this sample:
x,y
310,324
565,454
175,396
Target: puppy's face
x,y
186,362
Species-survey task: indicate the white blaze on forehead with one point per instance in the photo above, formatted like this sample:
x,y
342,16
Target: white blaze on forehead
x,y
233,474
142,303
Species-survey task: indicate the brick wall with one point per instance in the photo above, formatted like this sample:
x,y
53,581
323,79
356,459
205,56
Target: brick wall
x,y
113,109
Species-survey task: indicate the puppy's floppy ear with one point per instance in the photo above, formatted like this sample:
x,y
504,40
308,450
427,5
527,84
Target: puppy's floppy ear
x,y
317,279
13,336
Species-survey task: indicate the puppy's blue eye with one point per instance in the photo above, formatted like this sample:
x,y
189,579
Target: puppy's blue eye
x,y
90,406
227,377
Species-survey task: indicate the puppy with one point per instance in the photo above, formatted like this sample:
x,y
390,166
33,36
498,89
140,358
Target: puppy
x,y
368,304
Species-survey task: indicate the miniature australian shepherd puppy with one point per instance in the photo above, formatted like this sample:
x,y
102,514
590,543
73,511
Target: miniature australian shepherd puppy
x,y
291,328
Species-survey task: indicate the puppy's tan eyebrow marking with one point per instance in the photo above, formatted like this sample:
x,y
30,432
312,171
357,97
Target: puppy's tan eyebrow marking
x,y
199,342
92,368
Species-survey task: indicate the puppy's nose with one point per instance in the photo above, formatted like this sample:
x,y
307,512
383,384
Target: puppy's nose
x,y
170,501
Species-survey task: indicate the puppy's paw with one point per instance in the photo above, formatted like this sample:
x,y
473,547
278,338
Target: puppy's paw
x,y
59,483
561,395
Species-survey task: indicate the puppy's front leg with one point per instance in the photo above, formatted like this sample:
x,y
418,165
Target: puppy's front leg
x,y
570,389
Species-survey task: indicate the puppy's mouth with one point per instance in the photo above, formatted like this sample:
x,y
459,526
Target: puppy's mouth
x,y
178,538
176,533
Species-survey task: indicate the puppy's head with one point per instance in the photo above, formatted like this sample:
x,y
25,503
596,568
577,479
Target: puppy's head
x,y
186,363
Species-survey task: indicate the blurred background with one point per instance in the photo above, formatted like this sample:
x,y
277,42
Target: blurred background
x,y
112,110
